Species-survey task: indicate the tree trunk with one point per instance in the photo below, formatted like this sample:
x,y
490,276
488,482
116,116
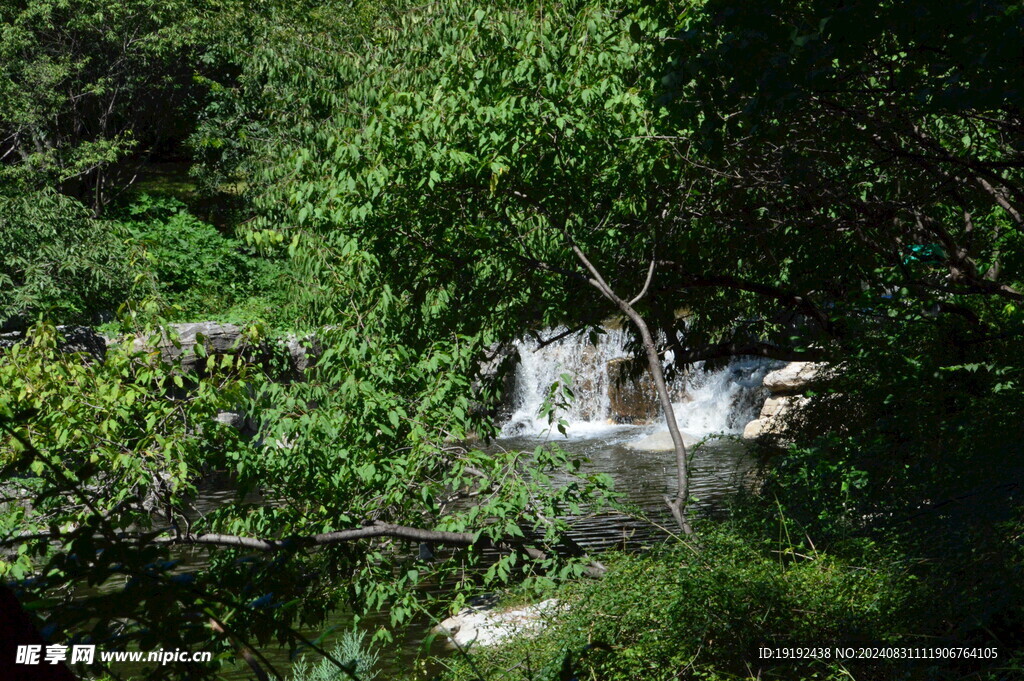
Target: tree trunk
x,y
676,505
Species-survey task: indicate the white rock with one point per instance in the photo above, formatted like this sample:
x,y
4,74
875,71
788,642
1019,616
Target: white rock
x,y
774,413
485,627
754,429
793,377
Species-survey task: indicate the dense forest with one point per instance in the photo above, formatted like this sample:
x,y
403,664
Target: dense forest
x,y
381,198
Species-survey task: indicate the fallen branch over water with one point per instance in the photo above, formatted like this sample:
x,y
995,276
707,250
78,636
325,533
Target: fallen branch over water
x,y
594,569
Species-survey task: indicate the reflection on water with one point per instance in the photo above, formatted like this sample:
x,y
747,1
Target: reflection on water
x,y
718,468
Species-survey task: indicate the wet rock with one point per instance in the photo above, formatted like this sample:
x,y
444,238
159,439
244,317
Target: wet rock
x,y
631,399
496,373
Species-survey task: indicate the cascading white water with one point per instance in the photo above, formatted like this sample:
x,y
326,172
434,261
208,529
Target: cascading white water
x,y
720,401
723,400
574,355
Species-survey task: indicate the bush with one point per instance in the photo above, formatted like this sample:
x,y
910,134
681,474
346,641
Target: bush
x,y
682,613
197,270
351,651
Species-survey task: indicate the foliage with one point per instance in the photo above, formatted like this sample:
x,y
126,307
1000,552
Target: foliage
x,y
100,458
352,652
836,144
706,612
802,180
107,457
471,140
870,156
194,268
89,88
56,259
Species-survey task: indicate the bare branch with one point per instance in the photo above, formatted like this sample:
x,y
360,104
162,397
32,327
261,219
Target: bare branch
x,y
647,284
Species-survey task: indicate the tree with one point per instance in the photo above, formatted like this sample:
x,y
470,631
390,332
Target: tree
x,y
56,259
868,154
91,88
506,148
365,458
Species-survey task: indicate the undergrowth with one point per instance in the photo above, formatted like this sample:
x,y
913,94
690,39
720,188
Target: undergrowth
x,y
705,612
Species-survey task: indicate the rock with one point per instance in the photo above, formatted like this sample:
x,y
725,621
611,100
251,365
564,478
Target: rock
x,y
83,339
631,400
773,405
9,340
484,626
792,378
219,339
303,352
660,442
70,339
774,414
754,429
239,421
230,418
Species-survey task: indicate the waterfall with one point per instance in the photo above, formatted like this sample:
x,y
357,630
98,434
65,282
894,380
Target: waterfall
x,y
574,355
723,400
720,401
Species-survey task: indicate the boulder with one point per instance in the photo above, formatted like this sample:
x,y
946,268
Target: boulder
x,y
496,369
239,421
660,442
773,406
773,416
792,378
483,626
755,429
80,339
302,353
631,399
218,339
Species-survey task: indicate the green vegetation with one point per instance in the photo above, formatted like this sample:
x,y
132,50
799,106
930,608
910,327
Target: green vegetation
x,y
408,186
709,611
193,268
55,257
352,652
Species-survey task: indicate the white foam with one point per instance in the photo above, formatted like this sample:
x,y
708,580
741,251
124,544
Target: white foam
x,y
720,401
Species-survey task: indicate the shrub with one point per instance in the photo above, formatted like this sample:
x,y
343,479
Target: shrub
x,y
351,651
681,613
197,270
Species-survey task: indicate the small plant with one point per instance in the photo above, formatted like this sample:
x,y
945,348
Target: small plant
x,y
350,651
